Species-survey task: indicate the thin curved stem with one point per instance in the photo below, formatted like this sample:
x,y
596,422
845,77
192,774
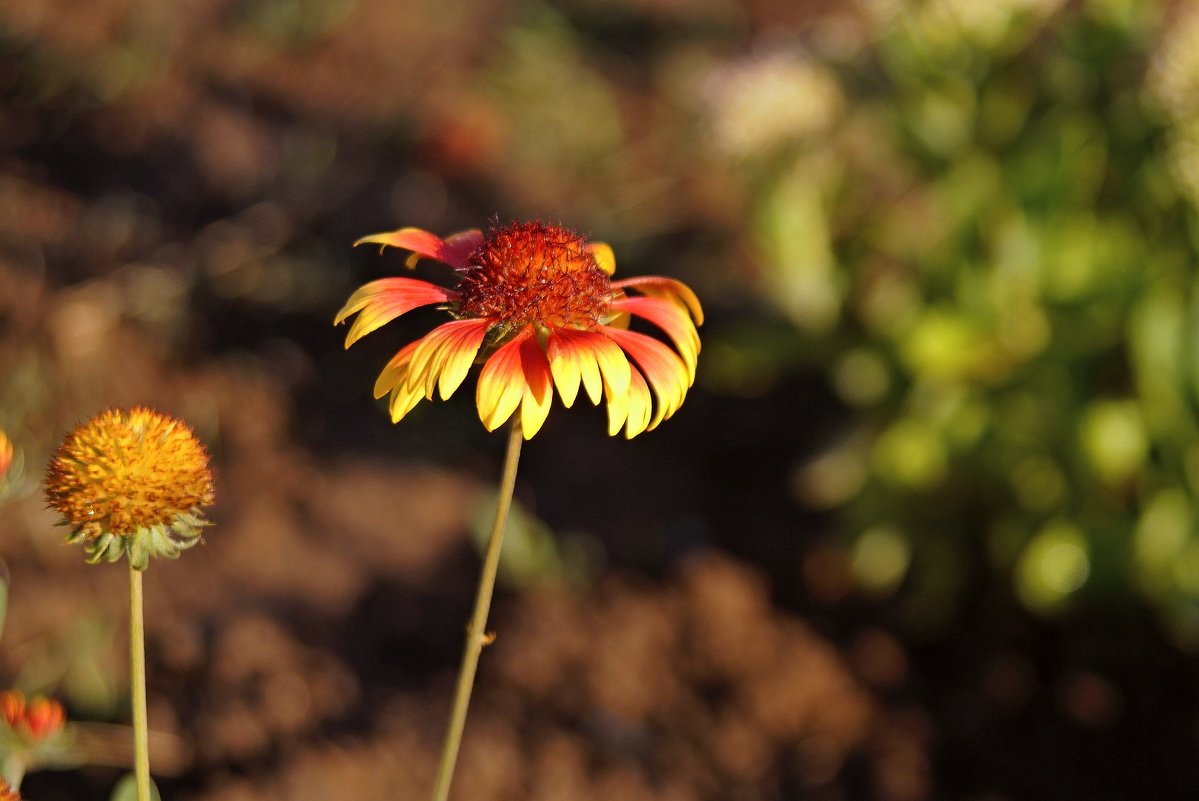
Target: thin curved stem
x,y
137,685
476,633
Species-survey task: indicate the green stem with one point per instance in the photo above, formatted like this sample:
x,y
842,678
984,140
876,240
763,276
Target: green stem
x,y
476,636
137,682
14,771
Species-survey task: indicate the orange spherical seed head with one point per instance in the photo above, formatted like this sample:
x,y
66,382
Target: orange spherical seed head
x,y
533,273
131,481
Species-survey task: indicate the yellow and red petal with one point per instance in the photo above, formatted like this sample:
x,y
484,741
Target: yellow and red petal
x,y
668,289
592,378
662,368
396,371
403,400
417,240
444,356
539,387
671,318
380,302
516,376
604,256
614,366
618,407
562,350
394,381
639,406
452,250
501,383
585,356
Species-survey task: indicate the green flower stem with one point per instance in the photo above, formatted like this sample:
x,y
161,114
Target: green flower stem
x,y
14,771
476,636
137,681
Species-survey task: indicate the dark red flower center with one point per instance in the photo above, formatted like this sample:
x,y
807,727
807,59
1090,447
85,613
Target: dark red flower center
x,y
532,272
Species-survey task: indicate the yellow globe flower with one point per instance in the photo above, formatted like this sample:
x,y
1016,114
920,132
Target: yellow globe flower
x,y
131,482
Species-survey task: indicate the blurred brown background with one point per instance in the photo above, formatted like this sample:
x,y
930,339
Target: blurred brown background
x,y
924,528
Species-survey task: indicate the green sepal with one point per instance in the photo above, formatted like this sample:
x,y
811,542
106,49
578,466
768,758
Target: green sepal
x,y
159,540
108,547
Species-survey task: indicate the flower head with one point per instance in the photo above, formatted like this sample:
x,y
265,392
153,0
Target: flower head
x,y
6,454
535,303
33,733
35,721
11,464
131,481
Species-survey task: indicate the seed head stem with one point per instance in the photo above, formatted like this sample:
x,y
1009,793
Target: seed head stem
x,y
137,682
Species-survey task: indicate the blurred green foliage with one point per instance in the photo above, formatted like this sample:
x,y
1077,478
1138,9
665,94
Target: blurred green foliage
x,y
532,551
995,240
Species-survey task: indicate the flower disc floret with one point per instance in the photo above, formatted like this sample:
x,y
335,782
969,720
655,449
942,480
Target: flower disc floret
x,y
536,305
534,273
131,482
